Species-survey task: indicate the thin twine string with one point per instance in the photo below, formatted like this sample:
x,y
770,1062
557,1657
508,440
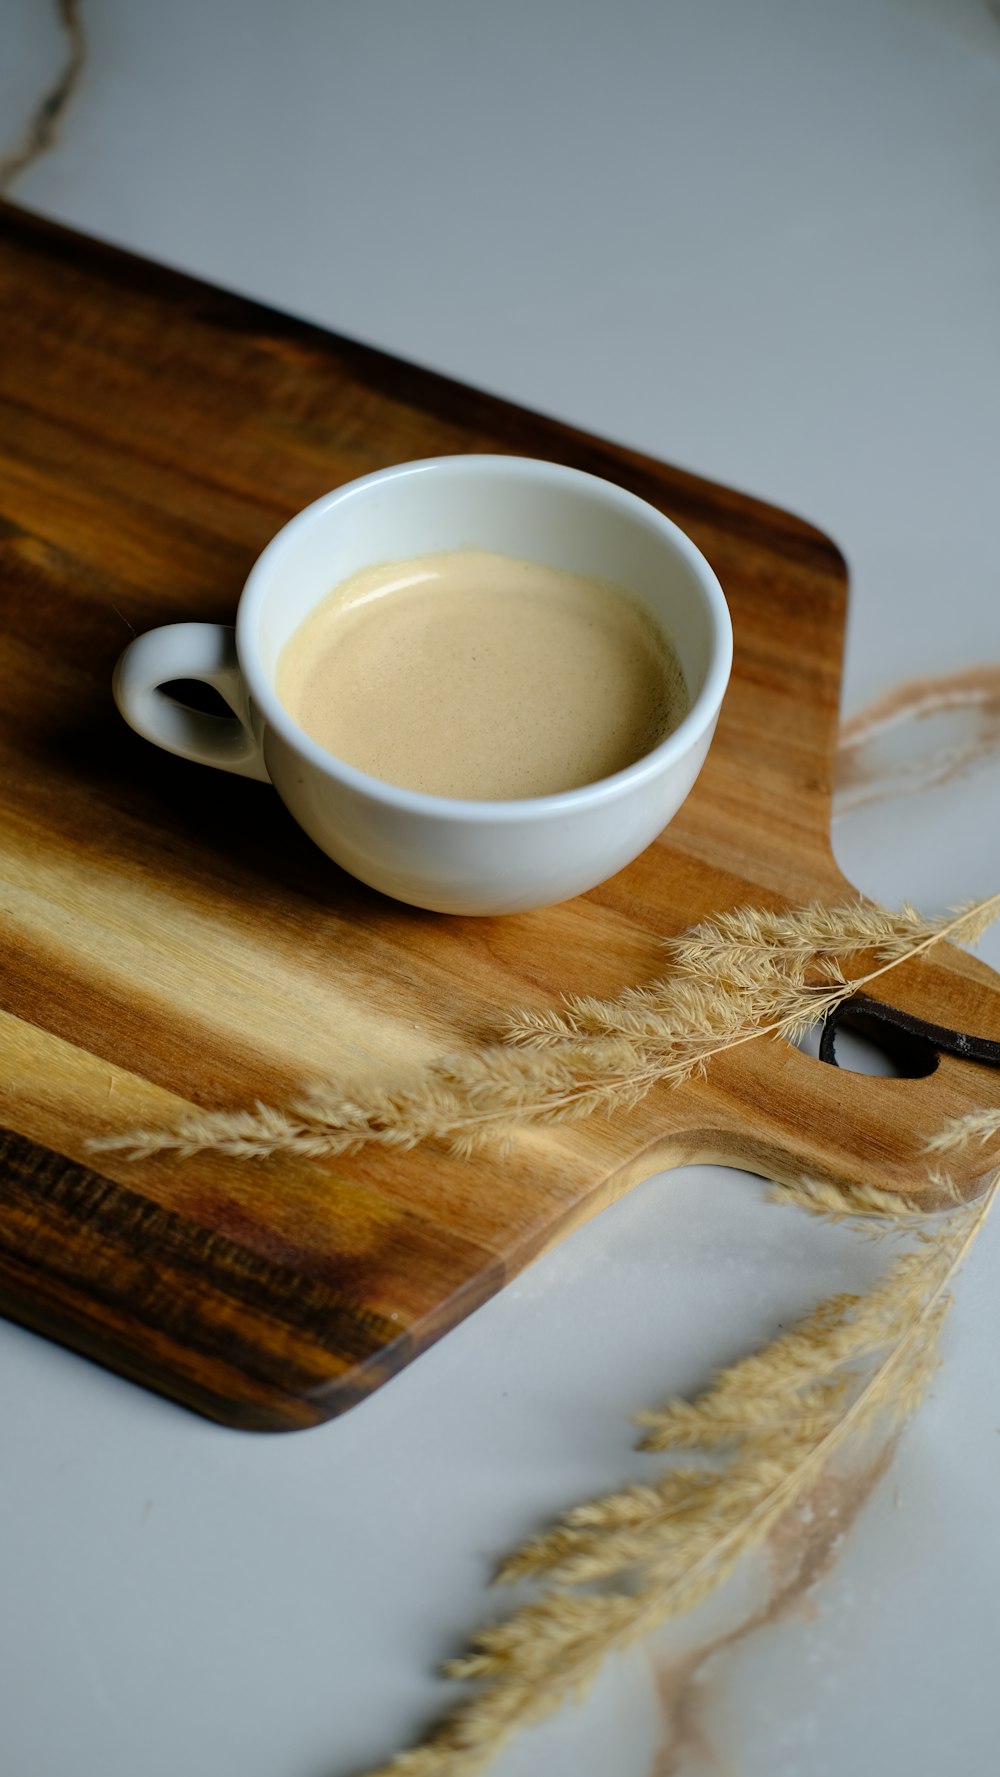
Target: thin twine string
x,y
42,129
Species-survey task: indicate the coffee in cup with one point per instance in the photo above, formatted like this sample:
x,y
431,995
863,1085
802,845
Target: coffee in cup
x,y
473,674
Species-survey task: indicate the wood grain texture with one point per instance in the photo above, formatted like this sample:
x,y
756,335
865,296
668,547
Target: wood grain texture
x,y
170,938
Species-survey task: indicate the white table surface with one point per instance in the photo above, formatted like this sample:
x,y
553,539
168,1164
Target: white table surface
x,y
762,241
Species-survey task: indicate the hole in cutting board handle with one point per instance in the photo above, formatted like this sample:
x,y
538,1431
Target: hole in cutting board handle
x,y
865,1045
891,1043
861,1030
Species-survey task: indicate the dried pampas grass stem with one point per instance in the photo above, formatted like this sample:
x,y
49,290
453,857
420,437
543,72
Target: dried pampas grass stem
x,y
772,1426
767,1431
746,974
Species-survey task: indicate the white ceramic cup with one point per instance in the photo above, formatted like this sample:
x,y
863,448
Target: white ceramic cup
x,y
435,851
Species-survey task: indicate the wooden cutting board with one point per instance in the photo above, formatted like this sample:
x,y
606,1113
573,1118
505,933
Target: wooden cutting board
x,y
171,939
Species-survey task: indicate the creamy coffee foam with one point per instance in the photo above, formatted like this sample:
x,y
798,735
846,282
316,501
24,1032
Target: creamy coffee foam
x,y
480,675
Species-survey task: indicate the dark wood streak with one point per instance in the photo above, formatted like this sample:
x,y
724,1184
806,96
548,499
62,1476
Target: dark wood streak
x,y
170,939
166,1288
133,1263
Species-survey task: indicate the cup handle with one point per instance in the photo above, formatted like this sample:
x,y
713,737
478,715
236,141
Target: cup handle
x,y
205,651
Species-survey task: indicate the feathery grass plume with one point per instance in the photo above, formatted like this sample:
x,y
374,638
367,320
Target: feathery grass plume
x,y
774,970
878,1211
460,1101
773,1422
972,919
960,1131
750,1448
744,974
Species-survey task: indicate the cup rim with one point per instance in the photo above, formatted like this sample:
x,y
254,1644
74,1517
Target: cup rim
x,y
675,746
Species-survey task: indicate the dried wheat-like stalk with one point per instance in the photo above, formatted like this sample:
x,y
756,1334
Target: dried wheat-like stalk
x,y
821,1197
770,1425
745,974
774,1422
977,1126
